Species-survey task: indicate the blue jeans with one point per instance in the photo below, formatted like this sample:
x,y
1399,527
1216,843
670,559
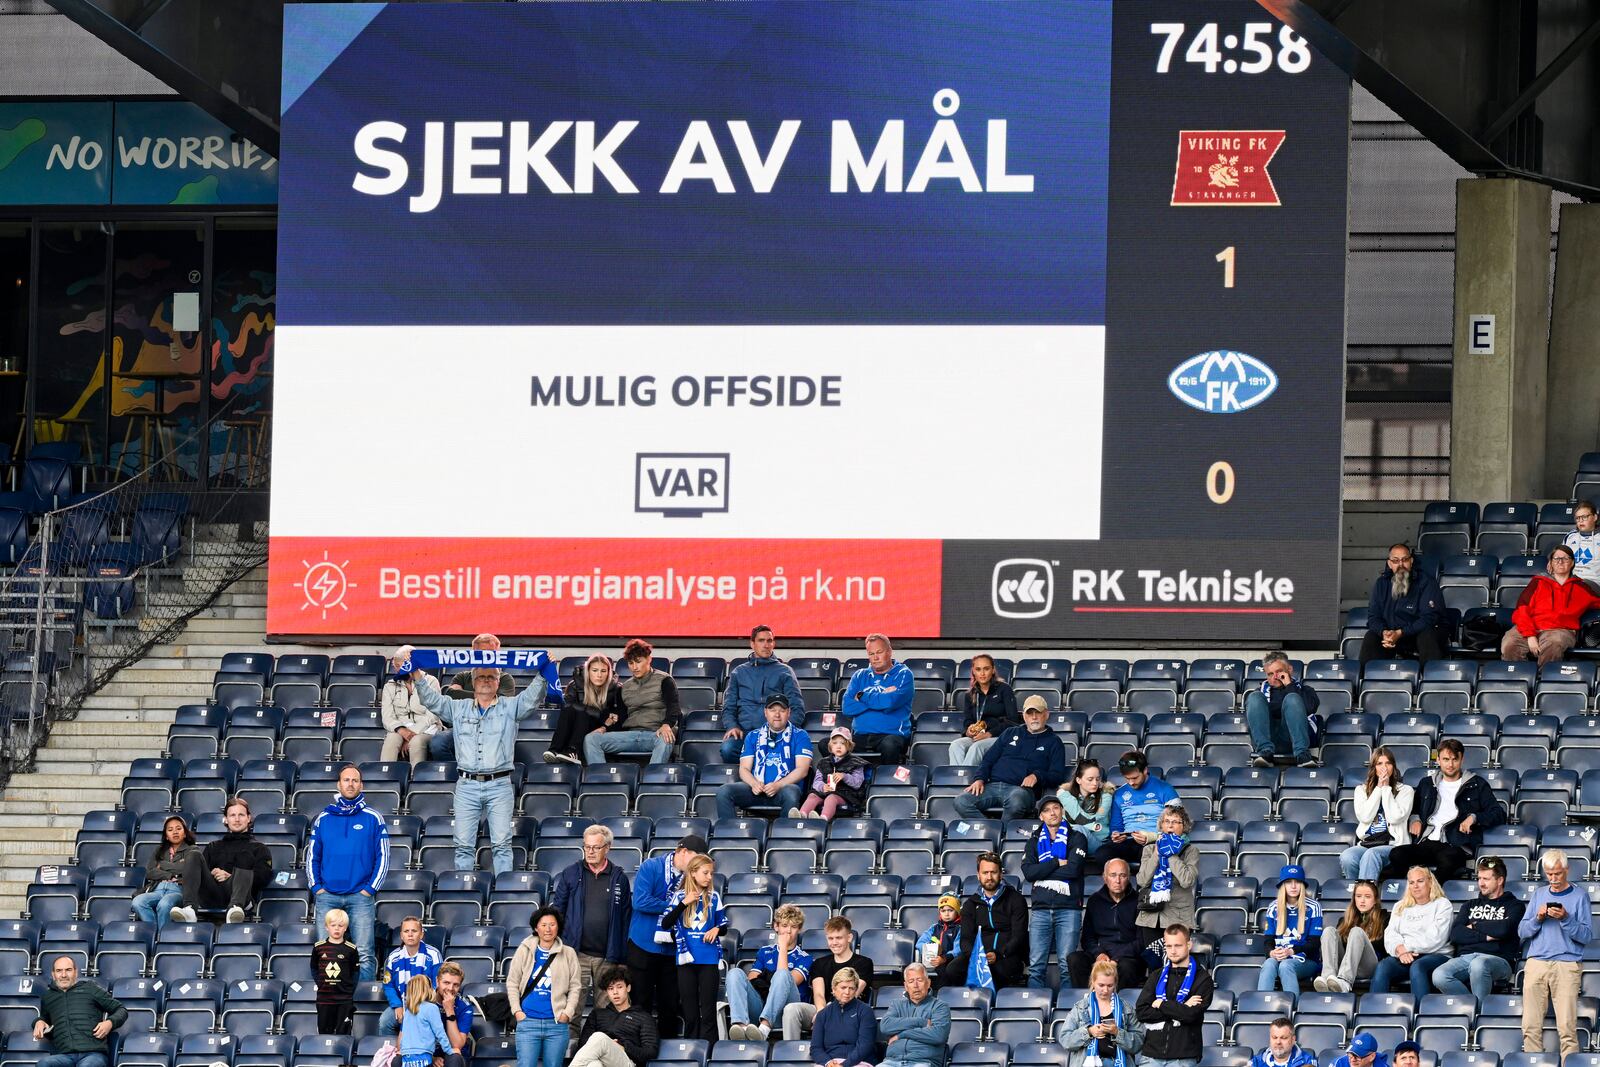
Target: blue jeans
x,y
1051,928
598,747
362,908
736,795
1391,970
542,1042
732,749
442,747
1480,970
1289,730
1012,801
156,905
1358,861
1288,972
388,1025
76,1059
744,1001
1151,1061
491,801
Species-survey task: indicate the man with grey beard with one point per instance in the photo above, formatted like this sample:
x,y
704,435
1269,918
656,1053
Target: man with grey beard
x,y
1405,612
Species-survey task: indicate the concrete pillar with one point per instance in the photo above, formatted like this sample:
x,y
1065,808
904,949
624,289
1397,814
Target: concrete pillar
x,y
1497,407
1573,418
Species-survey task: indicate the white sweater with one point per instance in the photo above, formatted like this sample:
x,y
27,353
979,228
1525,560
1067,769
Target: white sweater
x,y
1422,928
1396,808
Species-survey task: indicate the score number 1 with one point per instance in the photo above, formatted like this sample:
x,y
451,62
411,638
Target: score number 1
x,y
1219,478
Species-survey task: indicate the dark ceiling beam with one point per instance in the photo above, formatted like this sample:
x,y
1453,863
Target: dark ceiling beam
x,y
210,98
1556,67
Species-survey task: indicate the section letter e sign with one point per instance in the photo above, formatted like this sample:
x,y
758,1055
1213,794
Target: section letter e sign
x,y
1022,588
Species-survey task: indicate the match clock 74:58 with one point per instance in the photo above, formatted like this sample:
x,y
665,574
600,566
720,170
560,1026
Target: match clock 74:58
x,y
1260,48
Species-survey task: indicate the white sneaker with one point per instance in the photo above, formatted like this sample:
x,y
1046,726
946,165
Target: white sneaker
x,y
816,813
551,757
762,1032
796,813
1320,984
1338,985
235,915
181,914
739,1031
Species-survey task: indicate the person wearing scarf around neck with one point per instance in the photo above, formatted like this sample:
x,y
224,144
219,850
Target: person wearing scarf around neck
x,y
1168,872
1100,1031
346,860
1173,1005
1053,861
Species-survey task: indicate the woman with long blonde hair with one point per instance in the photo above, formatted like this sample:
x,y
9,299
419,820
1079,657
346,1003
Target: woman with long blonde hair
x,y
583,709
422,1027
1418,937
1294,922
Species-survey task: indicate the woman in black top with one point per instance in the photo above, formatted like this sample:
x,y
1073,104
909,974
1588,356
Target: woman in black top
x,y
991,711
583,709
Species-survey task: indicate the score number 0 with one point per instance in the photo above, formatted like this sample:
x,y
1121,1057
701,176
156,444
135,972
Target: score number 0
x,y
1219,478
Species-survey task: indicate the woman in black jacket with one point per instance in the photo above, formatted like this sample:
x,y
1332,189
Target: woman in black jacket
x,y
583,709
991,711
231,870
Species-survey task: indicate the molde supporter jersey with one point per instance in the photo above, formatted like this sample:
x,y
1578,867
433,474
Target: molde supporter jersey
x,y
1140,809
536,1005
767,960
774,755
1585,554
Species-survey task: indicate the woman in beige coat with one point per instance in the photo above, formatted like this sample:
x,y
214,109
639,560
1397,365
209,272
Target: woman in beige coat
x,y
545,987
1168,871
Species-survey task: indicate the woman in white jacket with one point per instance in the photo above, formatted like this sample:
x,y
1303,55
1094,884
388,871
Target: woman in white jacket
x,y
1383,808
1418,935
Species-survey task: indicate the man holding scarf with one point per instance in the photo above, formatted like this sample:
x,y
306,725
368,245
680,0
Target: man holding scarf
x,y
651,953
994,930
774,767
1053,861
1173,1005
485,731
345,864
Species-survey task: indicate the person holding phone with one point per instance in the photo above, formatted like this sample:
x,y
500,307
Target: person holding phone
x,y
1556,926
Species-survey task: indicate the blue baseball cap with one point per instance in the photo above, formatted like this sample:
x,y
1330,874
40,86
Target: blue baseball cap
x,y
1293,872
1363,1045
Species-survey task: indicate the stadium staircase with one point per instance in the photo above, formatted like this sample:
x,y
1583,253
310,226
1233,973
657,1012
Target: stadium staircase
x,y
81,767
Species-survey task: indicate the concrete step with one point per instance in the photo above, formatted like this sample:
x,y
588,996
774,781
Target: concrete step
x,y
52,800
105,761
90,731
191,692
72,783
137,709
166,674
13,823
36,837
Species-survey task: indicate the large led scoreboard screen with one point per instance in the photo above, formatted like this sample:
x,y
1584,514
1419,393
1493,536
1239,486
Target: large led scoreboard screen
x,y
947,319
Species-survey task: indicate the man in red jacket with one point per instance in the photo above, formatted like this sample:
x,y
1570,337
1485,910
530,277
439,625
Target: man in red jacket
x,y
1548,611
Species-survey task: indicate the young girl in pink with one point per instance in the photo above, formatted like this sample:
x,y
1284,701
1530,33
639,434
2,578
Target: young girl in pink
x,y
838,781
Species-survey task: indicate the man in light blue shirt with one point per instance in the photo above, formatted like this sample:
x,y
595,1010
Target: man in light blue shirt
x,y
485,731
1557,925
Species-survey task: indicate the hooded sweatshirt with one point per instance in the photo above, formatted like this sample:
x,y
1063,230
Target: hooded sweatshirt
x,y
1480,919
349,849
1546,604
751,683
1422,928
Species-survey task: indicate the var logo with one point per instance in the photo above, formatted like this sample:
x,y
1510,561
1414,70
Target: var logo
x,y
680,485
1222,382
1022,588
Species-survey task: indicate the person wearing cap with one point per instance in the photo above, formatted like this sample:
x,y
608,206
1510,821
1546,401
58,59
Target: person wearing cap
x,y
838,781
1136,809
1173,1005
994,921
1485,936
878,702
1363,1052
940,944
1294,925
651,952
744,702
1282,1049
1282,715
991,711
1111,931
1557,925
485,730
1408,1053
1053,862
1025,762
776,760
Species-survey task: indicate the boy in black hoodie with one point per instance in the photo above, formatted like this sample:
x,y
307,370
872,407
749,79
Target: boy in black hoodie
x,y
1485,936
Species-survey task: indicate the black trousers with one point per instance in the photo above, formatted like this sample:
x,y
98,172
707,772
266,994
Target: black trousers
x,y
1130,971
572,726
334,1019
1444,860
1127,850
655,987
698,986
1430,644
201,890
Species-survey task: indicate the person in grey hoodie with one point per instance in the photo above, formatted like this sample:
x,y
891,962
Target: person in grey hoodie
x,y
917,1027
744,701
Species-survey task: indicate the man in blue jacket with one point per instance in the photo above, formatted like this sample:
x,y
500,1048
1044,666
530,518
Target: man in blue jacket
x,y
345,864
1136,809
878,701
917,1028
596,908
1405,615
760,676
1282,1049
1024,762
652,957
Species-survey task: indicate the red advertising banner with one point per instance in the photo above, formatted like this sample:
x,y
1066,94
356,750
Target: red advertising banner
x,y
582,586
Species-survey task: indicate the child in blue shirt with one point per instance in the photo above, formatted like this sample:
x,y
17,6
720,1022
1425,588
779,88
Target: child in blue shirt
x,y
422,1027
696,920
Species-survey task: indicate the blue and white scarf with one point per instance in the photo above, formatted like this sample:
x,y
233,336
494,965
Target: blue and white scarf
x,y
422,659
1054,847
1189,976
1167,846
1091,1056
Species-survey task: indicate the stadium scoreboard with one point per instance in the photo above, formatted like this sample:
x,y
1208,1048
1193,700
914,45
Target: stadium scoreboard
x,y
1003,320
